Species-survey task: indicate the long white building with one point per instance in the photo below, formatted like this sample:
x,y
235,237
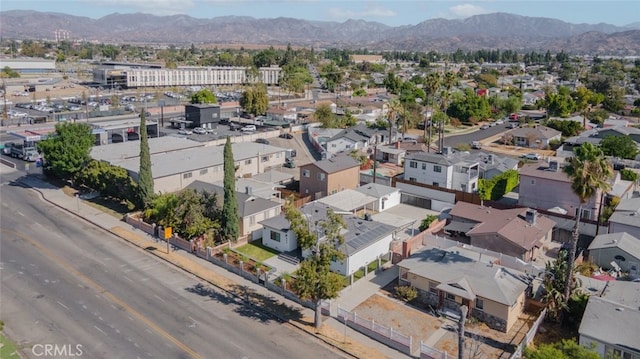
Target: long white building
x,y
142,76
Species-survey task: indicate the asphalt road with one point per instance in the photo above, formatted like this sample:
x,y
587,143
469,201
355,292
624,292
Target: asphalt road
x,y
65,282
479,135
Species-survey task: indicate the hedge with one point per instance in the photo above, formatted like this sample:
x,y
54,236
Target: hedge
x,y
498,186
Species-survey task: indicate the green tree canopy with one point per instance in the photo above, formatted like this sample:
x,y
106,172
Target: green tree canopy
x,y
314,279
295,77
111,181
8,72
619,146
568,128
67,151
254,99
468,105
325,115
203,96
564,349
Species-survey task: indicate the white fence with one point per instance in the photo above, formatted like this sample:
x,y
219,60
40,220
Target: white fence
x,y
377,331
529,337
427,352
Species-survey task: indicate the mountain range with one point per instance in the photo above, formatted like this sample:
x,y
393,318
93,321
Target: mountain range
x,y
488,31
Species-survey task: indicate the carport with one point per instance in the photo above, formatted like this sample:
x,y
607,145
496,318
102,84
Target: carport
x,y
350,200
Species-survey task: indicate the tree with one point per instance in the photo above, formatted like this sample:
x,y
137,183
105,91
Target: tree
x,y
427,222
203,96
314,279
564,349
8,72
67,151
111,181
629,175
394,108
568,128
619,146
295,77
230,225
254,99
145,177
589,172
324,115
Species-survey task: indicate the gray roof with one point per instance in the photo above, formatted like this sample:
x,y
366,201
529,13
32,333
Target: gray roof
x,y
131,149
247,205
627,212
456,158
537,132
623,240
335,164
376,190
472,269
274,176
192,159
610,322
348,200
358,235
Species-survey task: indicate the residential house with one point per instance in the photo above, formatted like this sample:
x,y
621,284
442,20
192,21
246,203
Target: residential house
x,y
492,165
534,137
364,240
447,170
282,114
449,278
329,176
518,232
546,186
620,248
359,137
396,152
611,321
174,167
251,209
626,217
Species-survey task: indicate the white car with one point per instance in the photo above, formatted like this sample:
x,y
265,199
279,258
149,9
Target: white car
x,y
249,128
184,131
499,122
199,131
532,156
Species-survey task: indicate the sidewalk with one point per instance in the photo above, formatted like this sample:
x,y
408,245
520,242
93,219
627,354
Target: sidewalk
x,y
333,332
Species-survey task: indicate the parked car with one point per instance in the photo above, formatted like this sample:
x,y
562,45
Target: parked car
x,y
513,125
264,141
532,156
199,131
499,122
287,136
476,145
249,128
184,131
485,127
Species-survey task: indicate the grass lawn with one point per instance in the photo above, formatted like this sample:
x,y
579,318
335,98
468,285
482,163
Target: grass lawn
x,y
257,251
8,349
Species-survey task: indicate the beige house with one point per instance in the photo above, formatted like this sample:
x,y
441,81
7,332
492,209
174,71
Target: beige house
x,y
176,163
518,232
322,178
448,279
534,137
251,209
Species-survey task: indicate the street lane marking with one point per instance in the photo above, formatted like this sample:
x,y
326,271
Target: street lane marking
x,y
106,294
101,331
64,306
20,213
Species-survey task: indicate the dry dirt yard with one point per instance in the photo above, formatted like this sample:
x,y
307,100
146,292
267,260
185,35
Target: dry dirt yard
x,y
408,320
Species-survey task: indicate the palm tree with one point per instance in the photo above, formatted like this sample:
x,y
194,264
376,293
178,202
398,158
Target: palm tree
x,y
393,110
432,84
589,172
448,81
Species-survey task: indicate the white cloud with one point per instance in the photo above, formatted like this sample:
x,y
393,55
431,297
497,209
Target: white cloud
x,y
466,10
369,12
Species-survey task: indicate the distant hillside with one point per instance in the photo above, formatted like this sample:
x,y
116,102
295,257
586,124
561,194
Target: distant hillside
x,y
498,30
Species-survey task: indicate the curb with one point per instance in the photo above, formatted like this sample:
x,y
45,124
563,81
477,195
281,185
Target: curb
x,y
177,265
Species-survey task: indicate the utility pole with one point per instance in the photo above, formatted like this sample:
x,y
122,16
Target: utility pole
x,y
463,318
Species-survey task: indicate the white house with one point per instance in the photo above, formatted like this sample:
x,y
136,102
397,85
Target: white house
x,y
447,170
364,240
386,197
626,217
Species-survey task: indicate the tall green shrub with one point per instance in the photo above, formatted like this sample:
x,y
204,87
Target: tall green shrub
x,y
230,225
145,178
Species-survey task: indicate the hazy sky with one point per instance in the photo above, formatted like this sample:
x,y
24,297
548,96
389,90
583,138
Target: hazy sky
x,y
398,12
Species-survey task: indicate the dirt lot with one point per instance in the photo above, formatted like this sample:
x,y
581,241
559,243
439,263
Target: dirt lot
x,y
408,320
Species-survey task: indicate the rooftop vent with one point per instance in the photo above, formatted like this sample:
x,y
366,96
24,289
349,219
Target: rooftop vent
x,y
530,216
